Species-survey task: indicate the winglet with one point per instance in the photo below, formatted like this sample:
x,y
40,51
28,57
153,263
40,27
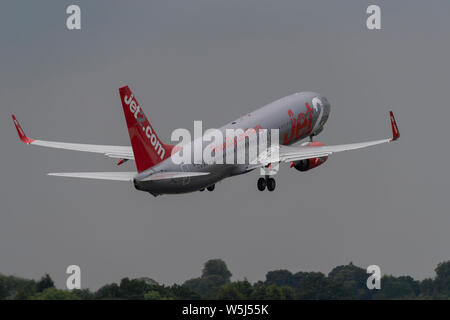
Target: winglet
x,y
20,131
395,132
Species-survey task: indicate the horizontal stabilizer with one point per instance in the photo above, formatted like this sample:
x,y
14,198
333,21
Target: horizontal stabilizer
x,y
118,176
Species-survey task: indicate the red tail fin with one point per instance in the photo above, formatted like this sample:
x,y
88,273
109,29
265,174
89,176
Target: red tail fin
x,y
148,150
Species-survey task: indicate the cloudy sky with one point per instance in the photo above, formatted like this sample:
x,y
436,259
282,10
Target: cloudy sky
x,y
214,61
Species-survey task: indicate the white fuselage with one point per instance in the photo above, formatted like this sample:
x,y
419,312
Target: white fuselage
x,y
296,117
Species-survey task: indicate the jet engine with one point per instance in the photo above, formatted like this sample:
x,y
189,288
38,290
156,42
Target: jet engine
x,y
308,164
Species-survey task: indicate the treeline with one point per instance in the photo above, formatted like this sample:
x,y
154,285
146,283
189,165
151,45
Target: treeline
x,y
343,282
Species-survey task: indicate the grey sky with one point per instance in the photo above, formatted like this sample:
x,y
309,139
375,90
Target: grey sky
x,y
214,61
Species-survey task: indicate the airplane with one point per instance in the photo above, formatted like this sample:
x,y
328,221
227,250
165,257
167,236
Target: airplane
x,y
297,116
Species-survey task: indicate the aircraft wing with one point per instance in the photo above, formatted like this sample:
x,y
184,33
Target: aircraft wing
x,y
292,153
120,152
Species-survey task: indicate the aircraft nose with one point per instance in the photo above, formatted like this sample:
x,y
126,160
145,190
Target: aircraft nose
x,y
326,104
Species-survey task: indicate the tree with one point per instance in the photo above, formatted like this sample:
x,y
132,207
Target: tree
x,y
25,290
426,289
442,280
3,290
238,290
280,278
152,295
205,286
108,292
229,292
343,282
133,289
17,288
83,294
287,293
55,294
216,267
396,288
259,291
312,286
183,293
272,292
349,282
214,275
45,283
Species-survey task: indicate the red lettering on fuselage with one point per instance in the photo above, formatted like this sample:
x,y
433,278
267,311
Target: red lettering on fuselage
x,y
301,126
233,142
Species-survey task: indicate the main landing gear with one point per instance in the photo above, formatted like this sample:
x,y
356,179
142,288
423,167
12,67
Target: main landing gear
x,y
210,188
266,182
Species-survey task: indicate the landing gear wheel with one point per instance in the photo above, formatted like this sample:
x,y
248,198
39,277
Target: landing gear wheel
x,y
211,188
261,184
202,189
271,184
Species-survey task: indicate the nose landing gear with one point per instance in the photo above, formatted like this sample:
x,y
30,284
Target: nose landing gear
x,y
266,182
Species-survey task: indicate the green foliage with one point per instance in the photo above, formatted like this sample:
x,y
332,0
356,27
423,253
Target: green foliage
x,y
3,289
108,292
205,286
55,294
152,295
133,289
280,278
238,290
139,289
312,286
442,280
13,287
287,293
216,267
349,282
397,288
426,289
183,293
214,275
83,294
45,283
343,282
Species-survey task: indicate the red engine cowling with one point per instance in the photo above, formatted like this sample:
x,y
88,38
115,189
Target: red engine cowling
x,y
308,164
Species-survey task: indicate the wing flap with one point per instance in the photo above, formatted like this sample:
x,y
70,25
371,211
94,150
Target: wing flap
x,y
173,175
300,153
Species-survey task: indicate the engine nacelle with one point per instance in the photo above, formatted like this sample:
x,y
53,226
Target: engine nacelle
x,y
308,164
